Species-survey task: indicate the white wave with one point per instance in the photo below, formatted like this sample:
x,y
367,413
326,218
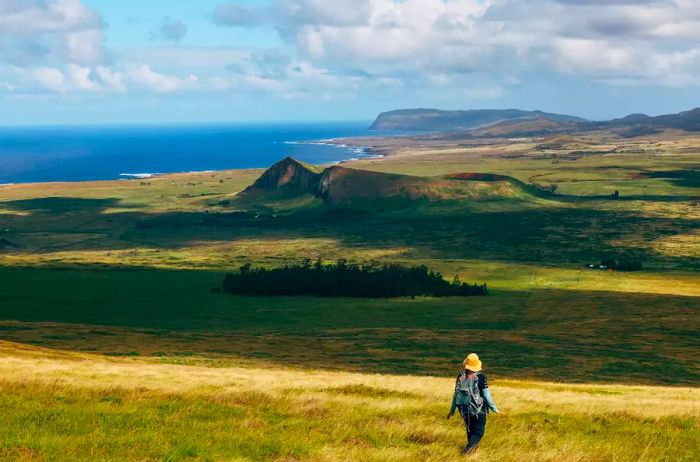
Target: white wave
x,y
354,152
139,176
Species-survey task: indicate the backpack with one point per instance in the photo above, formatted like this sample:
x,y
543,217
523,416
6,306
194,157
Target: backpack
x,y
468,395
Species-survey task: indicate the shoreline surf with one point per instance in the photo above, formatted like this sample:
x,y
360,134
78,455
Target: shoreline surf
x,y
91,154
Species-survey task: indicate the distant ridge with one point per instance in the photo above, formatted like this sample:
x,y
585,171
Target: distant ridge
x,y
686,120
633,119
515,122
436,119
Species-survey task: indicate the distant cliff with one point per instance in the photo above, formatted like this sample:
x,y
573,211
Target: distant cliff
x,y
505,121
435,119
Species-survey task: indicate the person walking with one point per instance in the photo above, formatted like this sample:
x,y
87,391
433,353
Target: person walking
x,y
473,400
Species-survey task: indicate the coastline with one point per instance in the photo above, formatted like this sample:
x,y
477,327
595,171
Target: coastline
x,y
355,149
79,155
368,153
353,145
373,147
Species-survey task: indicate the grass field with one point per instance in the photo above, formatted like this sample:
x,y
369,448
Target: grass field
x,y
68,406
592,336
587,164
109,327
185,220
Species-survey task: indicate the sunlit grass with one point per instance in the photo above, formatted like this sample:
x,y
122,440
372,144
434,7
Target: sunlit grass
x,y
169,370
82,407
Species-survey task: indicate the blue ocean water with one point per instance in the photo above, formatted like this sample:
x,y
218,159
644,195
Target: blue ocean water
x,y
34,154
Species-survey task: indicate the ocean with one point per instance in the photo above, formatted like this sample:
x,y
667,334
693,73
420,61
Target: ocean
x,y
38,154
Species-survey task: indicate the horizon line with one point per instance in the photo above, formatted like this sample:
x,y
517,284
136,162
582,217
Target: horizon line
x,y
180,124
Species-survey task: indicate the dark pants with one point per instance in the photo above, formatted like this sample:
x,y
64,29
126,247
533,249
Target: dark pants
x,y
476,427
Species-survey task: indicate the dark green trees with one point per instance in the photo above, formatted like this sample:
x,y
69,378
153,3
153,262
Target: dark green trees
x,y
344,279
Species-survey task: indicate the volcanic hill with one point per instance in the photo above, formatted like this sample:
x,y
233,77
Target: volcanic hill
x,y
341,184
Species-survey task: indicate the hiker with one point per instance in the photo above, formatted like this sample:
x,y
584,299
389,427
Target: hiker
x,y
473,399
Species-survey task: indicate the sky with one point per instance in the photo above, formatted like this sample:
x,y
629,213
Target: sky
x,y
199,61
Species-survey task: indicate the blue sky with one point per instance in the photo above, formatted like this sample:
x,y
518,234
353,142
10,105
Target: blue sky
x,y
131,23
129,61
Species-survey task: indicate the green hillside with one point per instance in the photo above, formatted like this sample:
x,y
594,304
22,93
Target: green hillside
x,y
116,345
339,184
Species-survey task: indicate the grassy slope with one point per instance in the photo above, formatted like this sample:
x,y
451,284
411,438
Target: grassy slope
x,y
590,164
121,231
546,319
80,407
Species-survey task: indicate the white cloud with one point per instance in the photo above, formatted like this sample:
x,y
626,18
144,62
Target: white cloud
x,y
146,78
84,46
77,79
41,34
49,31
51,79
81,79
57,47
652,41
114,81
277,74
46,16
477,49
590,55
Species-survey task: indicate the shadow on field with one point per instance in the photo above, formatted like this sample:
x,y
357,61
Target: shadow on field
x,y
678,178
628,197
546,334
61,205
447,229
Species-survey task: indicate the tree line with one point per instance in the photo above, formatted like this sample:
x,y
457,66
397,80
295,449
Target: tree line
x,y
343,279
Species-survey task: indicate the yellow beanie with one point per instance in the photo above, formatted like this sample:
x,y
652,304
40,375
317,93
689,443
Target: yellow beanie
x,y
472,363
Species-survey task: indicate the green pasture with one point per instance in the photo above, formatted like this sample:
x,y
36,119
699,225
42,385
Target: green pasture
x,y
535,332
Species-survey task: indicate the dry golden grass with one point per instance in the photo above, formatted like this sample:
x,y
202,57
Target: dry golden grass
x,y
202,254
26,364
135,409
